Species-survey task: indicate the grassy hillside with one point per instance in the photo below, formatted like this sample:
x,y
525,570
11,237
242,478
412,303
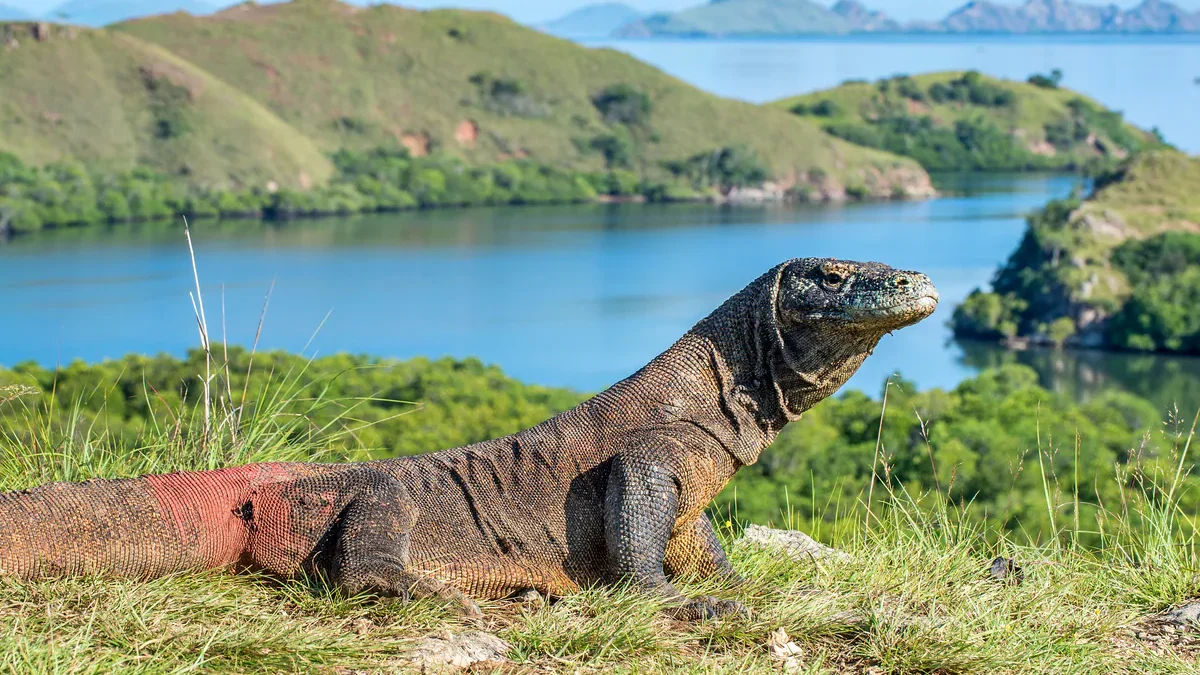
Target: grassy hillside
x,y
112,100
969,121
483,87
1119,269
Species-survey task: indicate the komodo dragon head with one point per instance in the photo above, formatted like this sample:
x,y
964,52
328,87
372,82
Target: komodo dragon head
x,y
797,333
828,315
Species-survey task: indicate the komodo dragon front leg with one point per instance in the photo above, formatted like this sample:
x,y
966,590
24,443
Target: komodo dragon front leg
x,y
352,526
694,551
641,512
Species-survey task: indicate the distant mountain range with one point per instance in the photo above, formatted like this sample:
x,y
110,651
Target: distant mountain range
x,y
593,21
1061,16
721,18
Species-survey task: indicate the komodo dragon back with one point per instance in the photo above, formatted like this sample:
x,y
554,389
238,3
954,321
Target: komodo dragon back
x,y
614,489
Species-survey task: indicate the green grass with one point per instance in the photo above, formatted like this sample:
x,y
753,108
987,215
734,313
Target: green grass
x,y
1155,193
913,597
332,76
98,96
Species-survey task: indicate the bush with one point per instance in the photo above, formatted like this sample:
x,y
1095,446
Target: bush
x,y
1067,132
822,108
724,168
18,216
971,88
1060,330
908,88
623,104
1160,315
973,144
508,96
618,149
1050,81
988,316
383,179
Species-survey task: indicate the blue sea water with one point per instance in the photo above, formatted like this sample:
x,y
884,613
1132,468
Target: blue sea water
x,y
581,296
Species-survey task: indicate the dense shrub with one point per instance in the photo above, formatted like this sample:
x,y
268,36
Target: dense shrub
x,y
508,96
972,144
822,108
972,88
623,104
724,168
65,194
1160,314
1050,81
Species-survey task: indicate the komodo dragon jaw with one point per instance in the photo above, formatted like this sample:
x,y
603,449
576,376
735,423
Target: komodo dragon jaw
x,y
612,489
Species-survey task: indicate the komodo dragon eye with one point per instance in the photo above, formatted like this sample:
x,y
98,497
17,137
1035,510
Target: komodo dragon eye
x,y
834,279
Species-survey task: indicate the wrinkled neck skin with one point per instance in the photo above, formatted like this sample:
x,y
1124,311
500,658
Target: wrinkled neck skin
x,y
766,375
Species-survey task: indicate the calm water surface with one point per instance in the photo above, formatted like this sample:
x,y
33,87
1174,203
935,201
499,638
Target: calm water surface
x,y
570,296
1150,78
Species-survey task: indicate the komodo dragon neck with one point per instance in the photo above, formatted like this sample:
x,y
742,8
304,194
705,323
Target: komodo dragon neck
x,y
736,375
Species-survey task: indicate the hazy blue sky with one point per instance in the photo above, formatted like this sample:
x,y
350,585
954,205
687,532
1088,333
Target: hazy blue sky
x,y
542,10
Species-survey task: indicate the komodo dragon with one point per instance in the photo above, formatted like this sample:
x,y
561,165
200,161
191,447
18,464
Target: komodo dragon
x,y
612,489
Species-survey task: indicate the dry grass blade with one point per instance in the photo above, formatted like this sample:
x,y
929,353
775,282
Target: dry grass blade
x,y
13,392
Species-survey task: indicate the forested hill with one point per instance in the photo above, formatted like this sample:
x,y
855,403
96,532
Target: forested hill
x,y
1120,269
967,121
262,93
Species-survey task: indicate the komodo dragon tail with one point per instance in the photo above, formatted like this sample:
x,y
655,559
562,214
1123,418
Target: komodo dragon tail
x,y
350,523
138,527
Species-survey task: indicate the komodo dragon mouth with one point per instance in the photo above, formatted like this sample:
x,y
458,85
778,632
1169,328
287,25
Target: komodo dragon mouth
x,y
867,295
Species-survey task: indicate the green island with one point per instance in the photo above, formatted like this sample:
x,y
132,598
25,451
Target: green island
x,y
313,106
1119,269
1089,498
967,121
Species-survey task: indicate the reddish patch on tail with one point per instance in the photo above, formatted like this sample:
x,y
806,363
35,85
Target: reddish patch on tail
x,y
207,509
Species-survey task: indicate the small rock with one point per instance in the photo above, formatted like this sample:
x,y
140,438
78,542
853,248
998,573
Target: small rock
x,y
792,543
529,596
1189,613
446,652
1006,570
782,648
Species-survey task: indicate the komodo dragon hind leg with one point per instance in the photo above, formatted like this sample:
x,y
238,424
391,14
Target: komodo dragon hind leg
x,y
351,526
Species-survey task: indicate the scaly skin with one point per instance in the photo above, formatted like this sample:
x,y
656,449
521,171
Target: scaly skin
x,y
614,489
